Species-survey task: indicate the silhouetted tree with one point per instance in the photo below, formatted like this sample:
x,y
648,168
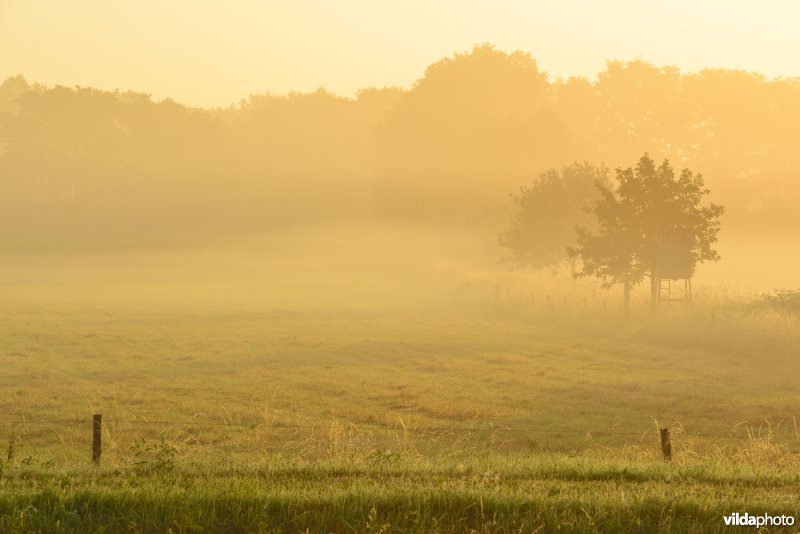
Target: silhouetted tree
x,y
646,204
448,150
475,125
546,213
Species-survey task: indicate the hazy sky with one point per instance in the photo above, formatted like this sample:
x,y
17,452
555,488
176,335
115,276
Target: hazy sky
x,y
214,53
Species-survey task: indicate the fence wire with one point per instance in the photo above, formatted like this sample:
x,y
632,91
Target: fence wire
x,y
748,431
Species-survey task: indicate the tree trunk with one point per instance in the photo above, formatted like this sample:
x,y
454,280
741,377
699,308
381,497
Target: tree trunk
x,y
653,293
627,298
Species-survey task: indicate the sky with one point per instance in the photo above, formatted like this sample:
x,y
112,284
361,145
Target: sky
x,y
207,53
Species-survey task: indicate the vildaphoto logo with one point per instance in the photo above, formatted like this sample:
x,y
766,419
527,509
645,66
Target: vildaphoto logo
x,y
766,520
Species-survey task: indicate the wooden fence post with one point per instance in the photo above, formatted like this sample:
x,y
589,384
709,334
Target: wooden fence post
x,y
666,444
97,437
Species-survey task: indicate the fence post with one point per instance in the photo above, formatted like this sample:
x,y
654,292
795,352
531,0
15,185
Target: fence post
x,y
666,444
97,437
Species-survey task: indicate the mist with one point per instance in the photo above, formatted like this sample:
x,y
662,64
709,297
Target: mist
x,y
459,283
89,168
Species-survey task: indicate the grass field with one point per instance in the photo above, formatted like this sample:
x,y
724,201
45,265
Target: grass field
x,y
240,412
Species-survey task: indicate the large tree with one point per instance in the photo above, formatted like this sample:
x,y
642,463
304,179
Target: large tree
x,y
472,126
647,206
545,214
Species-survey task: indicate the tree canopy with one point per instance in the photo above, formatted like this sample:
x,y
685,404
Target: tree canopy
x,y
546,213
475,126
646,206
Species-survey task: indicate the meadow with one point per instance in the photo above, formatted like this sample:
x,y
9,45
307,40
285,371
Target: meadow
x,y
271,397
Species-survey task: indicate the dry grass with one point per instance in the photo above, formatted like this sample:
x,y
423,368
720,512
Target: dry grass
x,y
457,413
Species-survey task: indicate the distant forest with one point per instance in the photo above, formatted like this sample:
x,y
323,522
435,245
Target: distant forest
x,y
449,150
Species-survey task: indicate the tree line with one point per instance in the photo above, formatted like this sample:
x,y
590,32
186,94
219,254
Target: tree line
x,y
448,150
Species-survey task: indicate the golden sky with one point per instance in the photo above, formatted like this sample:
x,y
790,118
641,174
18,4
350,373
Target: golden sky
x,y
214,53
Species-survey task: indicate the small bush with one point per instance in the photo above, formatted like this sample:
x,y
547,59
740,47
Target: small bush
x,y
787,300
153,457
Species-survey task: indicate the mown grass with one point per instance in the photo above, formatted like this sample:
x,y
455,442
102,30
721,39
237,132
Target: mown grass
x,y
493,415
475,382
